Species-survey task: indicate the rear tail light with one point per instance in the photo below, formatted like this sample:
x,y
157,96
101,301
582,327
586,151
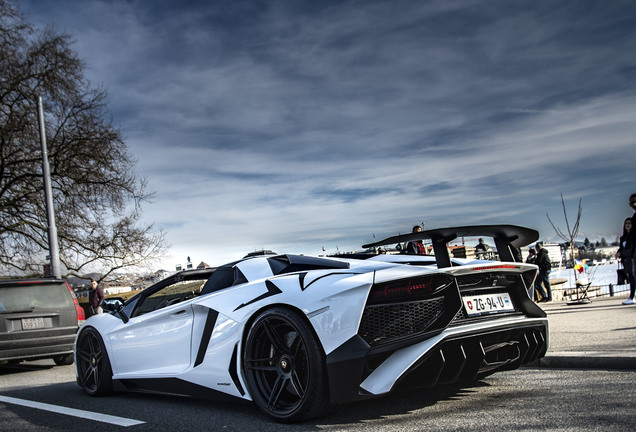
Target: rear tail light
x,y
81,316
495,267
411,289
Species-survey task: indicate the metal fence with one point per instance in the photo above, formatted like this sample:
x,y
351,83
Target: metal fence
x,y
609,290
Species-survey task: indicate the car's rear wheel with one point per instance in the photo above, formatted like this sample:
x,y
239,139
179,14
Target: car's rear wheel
x,y
63,360
94,374
284,367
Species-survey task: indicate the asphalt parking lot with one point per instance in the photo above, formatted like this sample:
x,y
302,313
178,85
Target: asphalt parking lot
x,y
584,383
527,399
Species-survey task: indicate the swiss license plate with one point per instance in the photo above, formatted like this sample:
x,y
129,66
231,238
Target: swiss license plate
x,y
32,323
487,304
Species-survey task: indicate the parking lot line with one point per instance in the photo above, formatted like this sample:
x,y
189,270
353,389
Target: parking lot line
x,y
87,415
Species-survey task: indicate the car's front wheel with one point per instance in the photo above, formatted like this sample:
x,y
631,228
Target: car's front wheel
x,y
94,373
284,367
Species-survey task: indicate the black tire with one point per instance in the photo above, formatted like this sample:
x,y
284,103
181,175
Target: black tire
x,y
284,367
63,360
94,374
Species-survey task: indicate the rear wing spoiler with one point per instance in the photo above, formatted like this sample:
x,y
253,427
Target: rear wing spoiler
x,y
505,236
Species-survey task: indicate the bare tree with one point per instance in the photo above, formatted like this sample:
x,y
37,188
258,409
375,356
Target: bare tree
x,y
570,237
573,231
96,193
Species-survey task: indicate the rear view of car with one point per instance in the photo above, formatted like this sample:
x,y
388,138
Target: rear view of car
x,y
38,319
297,334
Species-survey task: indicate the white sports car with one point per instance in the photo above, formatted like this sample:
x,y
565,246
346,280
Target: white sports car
x,y
296,334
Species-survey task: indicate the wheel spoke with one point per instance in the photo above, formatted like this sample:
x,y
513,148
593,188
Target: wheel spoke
x,y
297,384
91,344
296,345
274,337
85,376
83,355
96,374
277,389
261,360
261,367
266,363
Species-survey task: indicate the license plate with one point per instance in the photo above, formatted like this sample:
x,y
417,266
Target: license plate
x,y
487,304
32,323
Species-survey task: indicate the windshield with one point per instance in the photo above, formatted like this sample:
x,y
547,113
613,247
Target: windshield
x,y
26,298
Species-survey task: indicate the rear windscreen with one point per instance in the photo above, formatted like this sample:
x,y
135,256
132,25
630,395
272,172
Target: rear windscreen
x,y
34,297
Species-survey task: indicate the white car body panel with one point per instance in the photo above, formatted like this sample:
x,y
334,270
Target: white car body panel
x,y
134,345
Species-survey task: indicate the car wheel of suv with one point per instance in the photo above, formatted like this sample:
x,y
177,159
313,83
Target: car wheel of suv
x,y
63,360
285,368
94,374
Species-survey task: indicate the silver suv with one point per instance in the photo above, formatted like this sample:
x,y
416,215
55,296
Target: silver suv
x,y
38,319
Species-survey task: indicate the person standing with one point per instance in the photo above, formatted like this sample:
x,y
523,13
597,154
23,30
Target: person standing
x,y
416,247
481,249
532,258
95,298
626,254
632,204
545,266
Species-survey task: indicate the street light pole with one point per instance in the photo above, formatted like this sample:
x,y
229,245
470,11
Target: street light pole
x,y
48,193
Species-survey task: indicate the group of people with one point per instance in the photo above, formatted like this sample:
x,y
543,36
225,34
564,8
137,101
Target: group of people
x,y
626,250
626,253
541,259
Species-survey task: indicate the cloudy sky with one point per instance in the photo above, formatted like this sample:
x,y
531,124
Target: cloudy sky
x,y
298,125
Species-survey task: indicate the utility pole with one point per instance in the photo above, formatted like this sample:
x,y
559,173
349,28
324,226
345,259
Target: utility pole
x,y
48,193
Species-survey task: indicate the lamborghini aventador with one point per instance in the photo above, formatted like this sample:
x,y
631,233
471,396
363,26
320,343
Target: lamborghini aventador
x,y
297,334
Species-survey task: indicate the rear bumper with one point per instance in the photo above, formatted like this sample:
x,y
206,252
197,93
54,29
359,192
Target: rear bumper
x,y
27,345
457,354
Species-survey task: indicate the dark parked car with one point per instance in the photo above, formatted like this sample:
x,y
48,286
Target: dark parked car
x,y
38,319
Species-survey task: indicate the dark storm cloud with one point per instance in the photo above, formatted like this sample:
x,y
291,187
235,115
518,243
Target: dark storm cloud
x,y
297,125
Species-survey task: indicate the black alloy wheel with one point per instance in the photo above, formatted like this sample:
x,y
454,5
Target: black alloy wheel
x,y
284,367
94,374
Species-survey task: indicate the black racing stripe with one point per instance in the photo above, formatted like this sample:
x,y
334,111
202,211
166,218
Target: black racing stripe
x,y
301,280
272,290
324,276
234,373
210,322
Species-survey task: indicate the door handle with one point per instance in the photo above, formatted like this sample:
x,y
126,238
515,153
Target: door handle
x,y
181,312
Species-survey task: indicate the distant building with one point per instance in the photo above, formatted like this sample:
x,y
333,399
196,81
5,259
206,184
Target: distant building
x,y
161,274
606,251
461,251
202,266
115,288
555,253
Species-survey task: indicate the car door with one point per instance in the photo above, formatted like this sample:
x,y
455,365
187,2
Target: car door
x,y
156,340
153,344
